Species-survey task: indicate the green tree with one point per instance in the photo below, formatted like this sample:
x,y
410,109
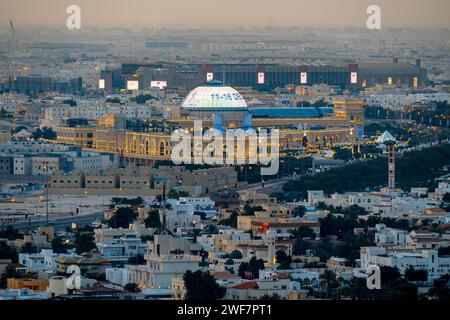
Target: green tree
x,y
389,274
59,246
231,221
45,133
252,267
3,113
440,289
10,233
412,274
131,287
176,194
28,247
300,246
236,254
274,296
444,251
446,198
113,100
299,211
7,252
400,289
303,232
357,289
250,211
153,220
202,286
84,242
201,214
122,218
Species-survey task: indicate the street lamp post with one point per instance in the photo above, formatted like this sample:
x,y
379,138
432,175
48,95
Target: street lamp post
x,y
46,197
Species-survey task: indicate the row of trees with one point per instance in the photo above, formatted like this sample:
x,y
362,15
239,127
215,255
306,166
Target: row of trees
x,y
200,285
44,133
417,168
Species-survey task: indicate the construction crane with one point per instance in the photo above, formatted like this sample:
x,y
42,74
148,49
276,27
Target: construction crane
x,y
13,38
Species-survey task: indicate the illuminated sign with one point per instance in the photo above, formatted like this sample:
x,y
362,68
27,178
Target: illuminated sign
x,y
354,78
209,76
260,77
389,80
158,84
132,85
303,78
415,82
101,84
214,97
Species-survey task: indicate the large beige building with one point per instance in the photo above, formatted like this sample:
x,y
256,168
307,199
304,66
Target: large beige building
x,y
142,180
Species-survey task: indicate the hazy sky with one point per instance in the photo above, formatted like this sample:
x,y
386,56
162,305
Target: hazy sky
x,y
228,13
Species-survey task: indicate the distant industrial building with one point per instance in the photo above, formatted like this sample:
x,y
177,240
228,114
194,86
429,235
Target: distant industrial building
x,y
264,76
34,84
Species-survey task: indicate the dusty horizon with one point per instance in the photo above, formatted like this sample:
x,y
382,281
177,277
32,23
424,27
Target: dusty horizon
x,y
228,14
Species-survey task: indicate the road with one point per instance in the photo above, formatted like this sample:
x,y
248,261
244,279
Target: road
x,y
269,186
58,223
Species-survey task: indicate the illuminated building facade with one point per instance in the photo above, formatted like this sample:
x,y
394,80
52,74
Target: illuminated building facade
x,y
222,107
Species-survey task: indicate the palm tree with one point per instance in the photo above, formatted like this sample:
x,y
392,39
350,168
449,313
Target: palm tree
x,y
329,279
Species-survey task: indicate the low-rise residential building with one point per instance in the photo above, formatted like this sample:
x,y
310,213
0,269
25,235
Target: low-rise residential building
x,y
429,260
108,235
123,248
89,265
268,284
389,236
119,276
167,257
43,261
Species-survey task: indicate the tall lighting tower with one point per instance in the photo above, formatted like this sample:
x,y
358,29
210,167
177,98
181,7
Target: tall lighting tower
x,y
389,141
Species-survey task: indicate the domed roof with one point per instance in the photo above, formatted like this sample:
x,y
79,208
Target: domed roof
x,y
214,95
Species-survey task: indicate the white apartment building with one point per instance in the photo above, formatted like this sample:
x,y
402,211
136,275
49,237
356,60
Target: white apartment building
x,y
43,261
389,236
167,257
383,203
269,283
404,99
23,294
124,247
159,270
189,205
136,229
402,259
443,188
174,221
119,276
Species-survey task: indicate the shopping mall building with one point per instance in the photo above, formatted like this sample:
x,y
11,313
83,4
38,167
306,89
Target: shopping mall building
x,y
222,107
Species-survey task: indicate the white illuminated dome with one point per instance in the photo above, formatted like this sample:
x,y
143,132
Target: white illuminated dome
x,y
214,95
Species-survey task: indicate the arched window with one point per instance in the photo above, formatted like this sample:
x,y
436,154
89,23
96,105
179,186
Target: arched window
x,y
162,149
153,149
147,147
133,145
